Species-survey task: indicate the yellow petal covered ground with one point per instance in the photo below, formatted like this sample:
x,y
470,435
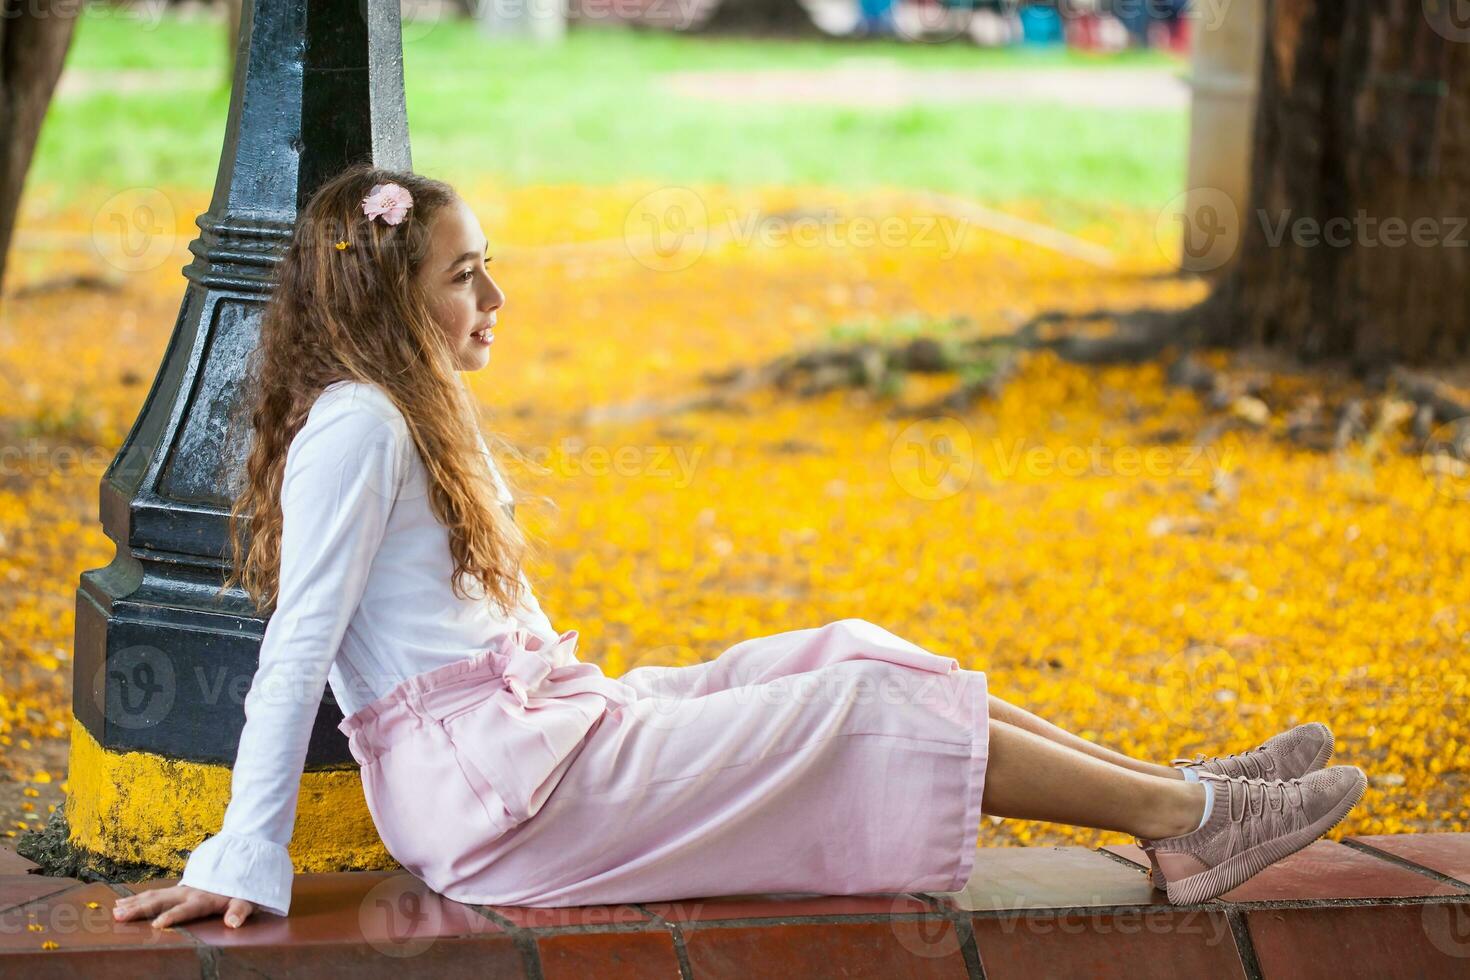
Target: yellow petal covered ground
x,y
1071,538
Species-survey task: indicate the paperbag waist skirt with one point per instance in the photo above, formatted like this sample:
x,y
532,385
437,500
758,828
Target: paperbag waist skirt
x,y
840,759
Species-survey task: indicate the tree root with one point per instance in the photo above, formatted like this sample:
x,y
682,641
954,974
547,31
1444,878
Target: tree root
x,y
62,283
985,363
1435,400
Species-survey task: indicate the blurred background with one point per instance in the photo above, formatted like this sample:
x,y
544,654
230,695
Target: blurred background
x,y
684,196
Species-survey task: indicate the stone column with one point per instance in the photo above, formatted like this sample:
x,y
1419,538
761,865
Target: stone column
x,y
1228,39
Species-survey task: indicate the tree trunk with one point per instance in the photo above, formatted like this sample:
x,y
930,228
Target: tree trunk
x,y
34,37
753,18
1355,245
232,19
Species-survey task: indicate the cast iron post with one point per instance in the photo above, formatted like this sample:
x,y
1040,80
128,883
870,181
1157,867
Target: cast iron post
x,y
161,665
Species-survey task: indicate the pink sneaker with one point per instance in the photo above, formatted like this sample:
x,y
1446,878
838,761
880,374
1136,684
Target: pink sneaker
x,y
1295,752
1253,824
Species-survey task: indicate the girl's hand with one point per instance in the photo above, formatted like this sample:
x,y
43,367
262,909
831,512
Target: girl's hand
x,y
181,903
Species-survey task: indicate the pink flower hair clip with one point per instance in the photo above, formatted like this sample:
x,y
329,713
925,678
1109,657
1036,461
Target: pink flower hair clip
x,y
388,201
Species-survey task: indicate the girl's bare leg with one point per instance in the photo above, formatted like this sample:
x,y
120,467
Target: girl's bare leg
x,y
1021,718
1030,777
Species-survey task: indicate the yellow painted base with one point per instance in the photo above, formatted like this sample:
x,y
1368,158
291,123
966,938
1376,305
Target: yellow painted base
x,y
141,807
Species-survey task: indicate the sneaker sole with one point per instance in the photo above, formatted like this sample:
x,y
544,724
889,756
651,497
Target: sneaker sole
x,y
1235,871
1156,873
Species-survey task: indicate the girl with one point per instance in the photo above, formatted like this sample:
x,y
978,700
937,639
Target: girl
x,y
501,768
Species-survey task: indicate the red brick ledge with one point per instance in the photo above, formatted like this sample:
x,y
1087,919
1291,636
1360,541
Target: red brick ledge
x,y
1369,906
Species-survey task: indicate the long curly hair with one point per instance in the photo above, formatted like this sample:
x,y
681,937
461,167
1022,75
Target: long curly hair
x,y
359,314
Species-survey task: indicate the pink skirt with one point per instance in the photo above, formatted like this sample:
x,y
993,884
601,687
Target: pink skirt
x,y
839,759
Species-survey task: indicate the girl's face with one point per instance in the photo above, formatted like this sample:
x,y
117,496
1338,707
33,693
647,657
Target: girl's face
x,y
463,296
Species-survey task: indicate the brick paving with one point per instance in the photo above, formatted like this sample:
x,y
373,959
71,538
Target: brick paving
x,y
1380,906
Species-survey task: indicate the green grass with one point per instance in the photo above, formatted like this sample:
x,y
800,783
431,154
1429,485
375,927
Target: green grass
x,y
591,111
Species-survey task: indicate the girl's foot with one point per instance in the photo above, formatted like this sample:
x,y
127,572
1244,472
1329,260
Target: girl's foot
x,y
1296,752
1293,753
1253,824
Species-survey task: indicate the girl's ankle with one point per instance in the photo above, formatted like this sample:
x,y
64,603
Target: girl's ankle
x,y
1183,814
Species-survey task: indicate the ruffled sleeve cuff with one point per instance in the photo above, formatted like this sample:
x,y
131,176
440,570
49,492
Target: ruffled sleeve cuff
x,y
252,868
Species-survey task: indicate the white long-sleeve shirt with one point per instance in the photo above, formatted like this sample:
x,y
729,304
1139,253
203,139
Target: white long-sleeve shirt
x,y
364,602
